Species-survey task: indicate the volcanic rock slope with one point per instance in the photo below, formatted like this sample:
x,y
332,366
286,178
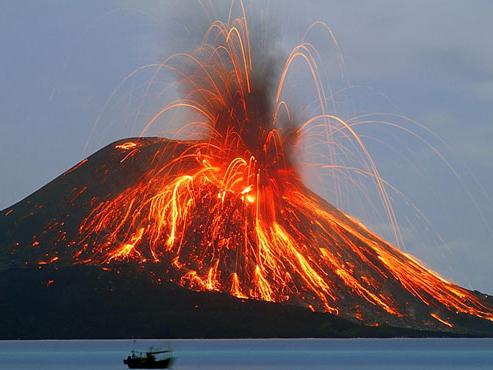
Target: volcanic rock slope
x,y
42,232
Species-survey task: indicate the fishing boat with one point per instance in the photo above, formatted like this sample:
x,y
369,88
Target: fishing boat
x,y
150,359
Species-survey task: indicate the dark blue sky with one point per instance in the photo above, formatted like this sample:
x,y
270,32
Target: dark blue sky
x,y
431,61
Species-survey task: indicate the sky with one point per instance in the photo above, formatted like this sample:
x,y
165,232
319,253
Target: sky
x,y
429,61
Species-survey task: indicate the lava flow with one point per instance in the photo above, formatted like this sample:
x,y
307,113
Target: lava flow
x,y
230,213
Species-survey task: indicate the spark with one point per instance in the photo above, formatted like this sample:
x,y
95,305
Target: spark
x,y
230,213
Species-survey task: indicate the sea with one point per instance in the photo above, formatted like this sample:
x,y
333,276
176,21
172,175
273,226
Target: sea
x,y
243,354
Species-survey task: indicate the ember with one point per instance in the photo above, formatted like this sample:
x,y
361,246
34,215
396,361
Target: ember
x,y
230,212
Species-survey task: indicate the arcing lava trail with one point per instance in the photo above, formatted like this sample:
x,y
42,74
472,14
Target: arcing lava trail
x,y
230,213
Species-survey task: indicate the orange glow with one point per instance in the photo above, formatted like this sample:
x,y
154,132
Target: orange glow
x,y
51,260
230,213
78,165
435,316
126,146
235,286
125,250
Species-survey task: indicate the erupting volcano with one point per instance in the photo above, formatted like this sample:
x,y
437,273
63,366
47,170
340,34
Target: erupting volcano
x,y
229,212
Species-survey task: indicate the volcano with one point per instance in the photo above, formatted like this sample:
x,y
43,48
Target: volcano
x,y
228,212
345,269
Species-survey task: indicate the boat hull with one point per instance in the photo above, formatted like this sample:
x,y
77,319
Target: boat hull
x,y
146,364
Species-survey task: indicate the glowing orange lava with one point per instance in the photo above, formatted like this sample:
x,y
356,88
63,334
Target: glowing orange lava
x,y
230,213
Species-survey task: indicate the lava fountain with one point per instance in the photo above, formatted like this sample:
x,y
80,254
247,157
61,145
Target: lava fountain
x,y
230,213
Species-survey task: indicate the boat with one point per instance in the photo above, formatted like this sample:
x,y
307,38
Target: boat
x,y
149,360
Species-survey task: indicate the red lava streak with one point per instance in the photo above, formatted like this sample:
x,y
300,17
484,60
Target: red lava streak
x,y
230,213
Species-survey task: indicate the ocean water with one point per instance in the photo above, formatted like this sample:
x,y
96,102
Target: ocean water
x,y
269,354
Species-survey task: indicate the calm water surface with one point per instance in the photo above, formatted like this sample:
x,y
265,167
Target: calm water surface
x,y
271,354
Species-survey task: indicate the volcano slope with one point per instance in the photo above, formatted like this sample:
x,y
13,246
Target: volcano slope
x,y
81,221
87,302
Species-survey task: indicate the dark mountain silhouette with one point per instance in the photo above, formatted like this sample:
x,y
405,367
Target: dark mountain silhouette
x,y
87,302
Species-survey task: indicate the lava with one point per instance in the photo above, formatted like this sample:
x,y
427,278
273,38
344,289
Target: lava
x,y
230,213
